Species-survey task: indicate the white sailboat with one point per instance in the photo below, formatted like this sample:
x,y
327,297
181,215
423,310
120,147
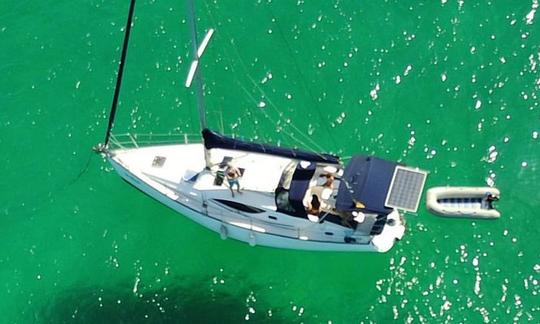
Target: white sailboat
x,y
289,198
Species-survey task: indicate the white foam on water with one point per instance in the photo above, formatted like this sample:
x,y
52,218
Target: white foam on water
x,y
266,78
475,261
485,314
492,154
532,62
407,69
439,280
446,306
490,180
478,104
504,289
529,18
374,92
477,283
517,300
136,285
463,253
340,118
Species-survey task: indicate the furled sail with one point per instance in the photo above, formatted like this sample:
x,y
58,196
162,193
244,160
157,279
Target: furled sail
x,y
216,140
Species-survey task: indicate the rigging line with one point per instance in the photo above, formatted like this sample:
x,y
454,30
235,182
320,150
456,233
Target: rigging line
x,y
302,77
262,92
120,72
284,127
269,118
266,114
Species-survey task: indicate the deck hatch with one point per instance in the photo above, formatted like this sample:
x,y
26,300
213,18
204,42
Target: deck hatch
x,y
158,161
406,188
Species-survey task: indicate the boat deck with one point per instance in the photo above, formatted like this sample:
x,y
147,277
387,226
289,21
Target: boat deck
x,y
182,169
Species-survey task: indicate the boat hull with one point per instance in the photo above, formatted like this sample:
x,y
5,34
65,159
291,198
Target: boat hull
x,y
252,236
464,202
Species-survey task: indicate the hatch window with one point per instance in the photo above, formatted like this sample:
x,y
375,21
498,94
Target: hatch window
x,y
240,207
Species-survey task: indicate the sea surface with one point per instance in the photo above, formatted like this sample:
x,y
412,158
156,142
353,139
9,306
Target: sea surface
x,y
450,86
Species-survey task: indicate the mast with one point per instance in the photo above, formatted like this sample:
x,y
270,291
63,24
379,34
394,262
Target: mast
x,y
119,77
197,75
194,73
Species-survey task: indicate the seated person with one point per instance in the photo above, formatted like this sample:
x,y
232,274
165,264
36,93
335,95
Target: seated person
x,y
324,193
329,183
314,208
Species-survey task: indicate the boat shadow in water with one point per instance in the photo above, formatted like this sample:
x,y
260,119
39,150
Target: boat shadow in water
x,y
198,301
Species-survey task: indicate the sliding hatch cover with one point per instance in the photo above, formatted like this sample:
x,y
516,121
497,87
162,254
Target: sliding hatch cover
x,y
406,188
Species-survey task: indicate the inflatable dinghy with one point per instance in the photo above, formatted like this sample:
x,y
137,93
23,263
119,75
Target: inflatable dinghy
x,y
473,202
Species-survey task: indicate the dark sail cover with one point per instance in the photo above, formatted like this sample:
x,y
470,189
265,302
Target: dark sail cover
x,y
216,140
366,181
299,185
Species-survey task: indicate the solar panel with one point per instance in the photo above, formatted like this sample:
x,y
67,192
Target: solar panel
x,y
406,188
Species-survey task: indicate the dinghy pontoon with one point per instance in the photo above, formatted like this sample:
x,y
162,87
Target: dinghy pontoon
x,y
474,202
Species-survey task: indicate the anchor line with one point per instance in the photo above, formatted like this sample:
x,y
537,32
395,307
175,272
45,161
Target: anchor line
x,y
120,72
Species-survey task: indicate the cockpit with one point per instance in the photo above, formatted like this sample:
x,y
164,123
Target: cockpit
x,y
309,190
353,196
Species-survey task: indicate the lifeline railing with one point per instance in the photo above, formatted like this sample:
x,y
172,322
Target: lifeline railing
x,y
130,140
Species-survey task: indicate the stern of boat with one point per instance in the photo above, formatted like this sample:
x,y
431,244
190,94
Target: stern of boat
x,y
393,231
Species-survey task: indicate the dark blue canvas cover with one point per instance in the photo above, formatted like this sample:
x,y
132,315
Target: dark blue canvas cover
x,y
290,200
299,185
366,180
216,140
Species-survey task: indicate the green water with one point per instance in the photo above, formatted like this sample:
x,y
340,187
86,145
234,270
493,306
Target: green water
x,y
449,86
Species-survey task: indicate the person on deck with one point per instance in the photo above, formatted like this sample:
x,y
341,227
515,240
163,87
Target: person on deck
x,y
329,181
233,174
487,201
314,208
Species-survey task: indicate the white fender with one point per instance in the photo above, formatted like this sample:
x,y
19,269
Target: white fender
x,y
223,232
252,239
